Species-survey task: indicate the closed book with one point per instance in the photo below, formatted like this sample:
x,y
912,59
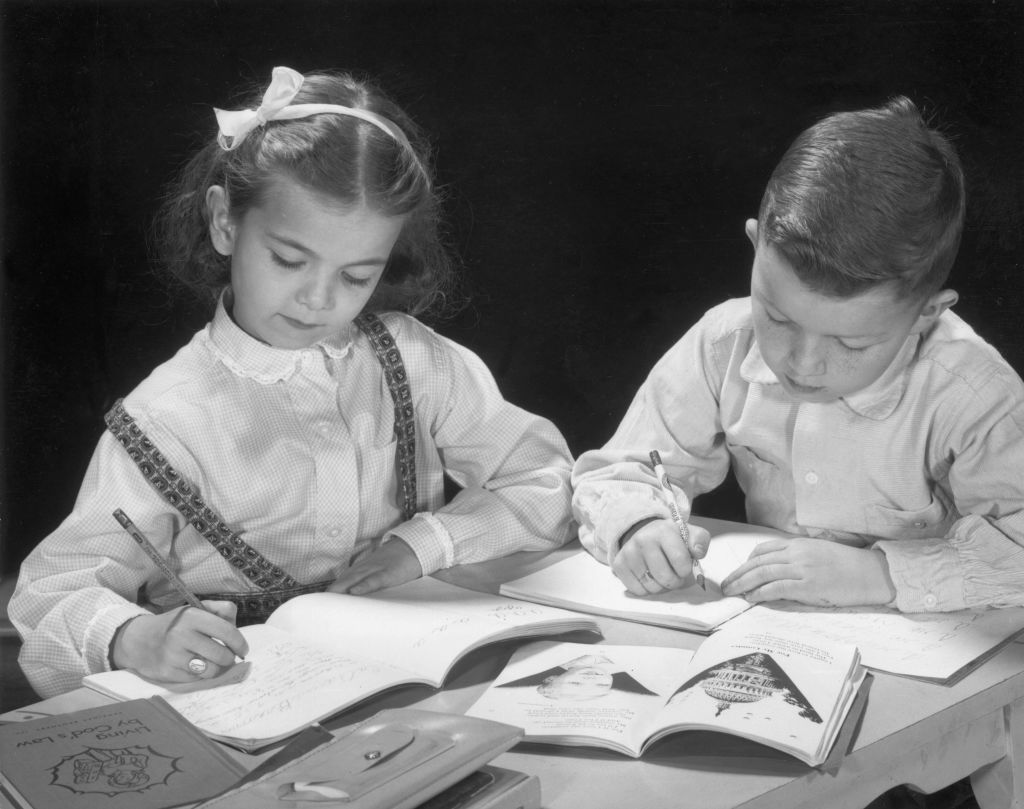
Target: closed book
x,y
140,754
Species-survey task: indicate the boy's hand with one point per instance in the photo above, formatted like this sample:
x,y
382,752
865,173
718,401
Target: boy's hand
x,y
819,572
655,558
159,647
390,564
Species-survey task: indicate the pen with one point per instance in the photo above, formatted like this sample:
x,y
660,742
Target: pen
x,y
154,554
677,518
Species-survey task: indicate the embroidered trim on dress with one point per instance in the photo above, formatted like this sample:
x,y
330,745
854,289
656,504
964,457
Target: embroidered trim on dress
x,y
190,504
405,423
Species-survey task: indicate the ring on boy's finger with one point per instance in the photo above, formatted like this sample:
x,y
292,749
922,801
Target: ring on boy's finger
x,y
197,665
646,577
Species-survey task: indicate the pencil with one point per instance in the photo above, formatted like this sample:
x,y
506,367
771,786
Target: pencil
x,y
677,518
158,560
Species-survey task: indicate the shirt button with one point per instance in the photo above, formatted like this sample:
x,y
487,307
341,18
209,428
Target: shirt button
x,y
323,427
930,601
811,477
334,532
919,523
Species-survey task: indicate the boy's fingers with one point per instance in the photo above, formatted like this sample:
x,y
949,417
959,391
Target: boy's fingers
x,y
700,539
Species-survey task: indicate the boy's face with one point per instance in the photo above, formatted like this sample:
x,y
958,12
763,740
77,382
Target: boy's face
x,y
823,348
302,268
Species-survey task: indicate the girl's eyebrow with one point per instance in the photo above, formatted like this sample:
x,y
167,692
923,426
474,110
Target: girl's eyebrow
x,y
366,262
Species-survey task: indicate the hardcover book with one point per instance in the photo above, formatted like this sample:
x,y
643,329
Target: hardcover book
x,y
139,753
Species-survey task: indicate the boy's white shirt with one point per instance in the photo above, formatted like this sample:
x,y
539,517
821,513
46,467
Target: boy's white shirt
x,y
924,464
296,449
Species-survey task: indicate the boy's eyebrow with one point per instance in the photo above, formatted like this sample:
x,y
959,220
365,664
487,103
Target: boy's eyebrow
x,y
284,240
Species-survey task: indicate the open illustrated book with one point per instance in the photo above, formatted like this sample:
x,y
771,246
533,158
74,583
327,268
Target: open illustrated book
x,y
792,695
321,653
938,647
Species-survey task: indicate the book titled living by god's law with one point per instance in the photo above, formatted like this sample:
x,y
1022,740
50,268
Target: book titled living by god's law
x,y
140,754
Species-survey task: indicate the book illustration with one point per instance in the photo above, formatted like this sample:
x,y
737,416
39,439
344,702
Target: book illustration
x,y
792,694
582,678
114,771
747,679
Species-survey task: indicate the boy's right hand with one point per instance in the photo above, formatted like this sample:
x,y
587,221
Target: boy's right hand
x,y
159,647
655,558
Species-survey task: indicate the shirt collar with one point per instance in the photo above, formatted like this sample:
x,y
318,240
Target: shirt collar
x,y
877,401
251,358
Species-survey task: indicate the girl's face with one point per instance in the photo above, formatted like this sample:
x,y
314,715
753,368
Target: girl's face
x,y
823,348
302,266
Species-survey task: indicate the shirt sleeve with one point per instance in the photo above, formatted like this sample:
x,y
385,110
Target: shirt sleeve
x,y
675,411
512,466
980,560
80,583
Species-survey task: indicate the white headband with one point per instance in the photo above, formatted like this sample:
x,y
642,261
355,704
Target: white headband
x,y
235,125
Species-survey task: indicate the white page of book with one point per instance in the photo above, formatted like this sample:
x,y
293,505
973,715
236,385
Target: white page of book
x,y
576,693
422,626
288,685
583,581
926,645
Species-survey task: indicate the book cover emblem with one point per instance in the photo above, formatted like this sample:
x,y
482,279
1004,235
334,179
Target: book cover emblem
x,y
114,771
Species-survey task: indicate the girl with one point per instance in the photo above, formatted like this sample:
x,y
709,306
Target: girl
x,y
300,441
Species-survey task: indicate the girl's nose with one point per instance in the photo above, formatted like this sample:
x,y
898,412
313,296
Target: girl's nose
x,y
317,292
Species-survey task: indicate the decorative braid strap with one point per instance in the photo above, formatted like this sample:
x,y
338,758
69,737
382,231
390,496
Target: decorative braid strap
x,y
277,585
189,502
405,423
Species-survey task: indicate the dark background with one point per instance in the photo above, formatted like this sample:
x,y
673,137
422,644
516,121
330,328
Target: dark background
x,y
601,158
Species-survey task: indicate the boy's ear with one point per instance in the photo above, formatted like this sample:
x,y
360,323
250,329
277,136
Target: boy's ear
x,y
938,303
222,229
750,228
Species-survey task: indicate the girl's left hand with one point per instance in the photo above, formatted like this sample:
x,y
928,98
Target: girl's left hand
x,y
390,564
819,572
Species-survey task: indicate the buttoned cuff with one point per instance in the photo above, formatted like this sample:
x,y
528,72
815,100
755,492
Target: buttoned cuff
x,y
100,632
429,540
926,574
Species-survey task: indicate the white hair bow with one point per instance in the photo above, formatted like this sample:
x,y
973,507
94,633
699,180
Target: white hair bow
x,y
235,125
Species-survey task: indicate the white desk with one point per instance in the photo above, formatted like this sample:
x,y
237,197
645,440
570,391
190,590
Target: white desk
x,y
915,733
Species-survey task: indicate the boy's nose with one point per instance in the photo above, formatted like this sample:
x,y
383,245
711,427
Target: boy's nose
x,y
806,357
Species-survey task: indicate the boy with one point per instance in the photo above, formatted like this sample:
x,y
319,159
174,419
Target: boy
x,y
859,414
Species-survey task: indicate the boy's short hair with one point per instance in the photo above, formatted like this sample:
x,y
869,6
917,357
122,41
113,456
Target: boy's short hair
x,y
867,198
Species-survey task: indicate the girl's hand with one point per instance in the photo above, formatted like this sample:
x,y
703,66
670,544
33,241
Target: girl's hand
x,y
656,559
159,647
819,572
390,564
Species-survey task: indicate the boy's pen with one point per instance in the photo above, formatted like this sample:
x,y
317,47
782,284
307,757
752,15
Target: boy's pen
x,y
677,518
158,560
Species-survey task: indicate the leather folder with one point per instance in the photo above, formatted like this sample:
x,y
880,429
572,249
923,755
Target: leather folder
x,y
396,759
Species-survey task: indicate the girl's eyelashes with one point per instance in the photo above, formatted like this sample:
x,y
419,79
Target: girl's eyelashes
x,y
352,280
280,262
356,282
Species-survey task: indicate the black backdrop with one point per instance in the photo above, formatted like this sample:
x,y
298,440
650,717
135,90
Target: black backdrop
x,y
601,158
